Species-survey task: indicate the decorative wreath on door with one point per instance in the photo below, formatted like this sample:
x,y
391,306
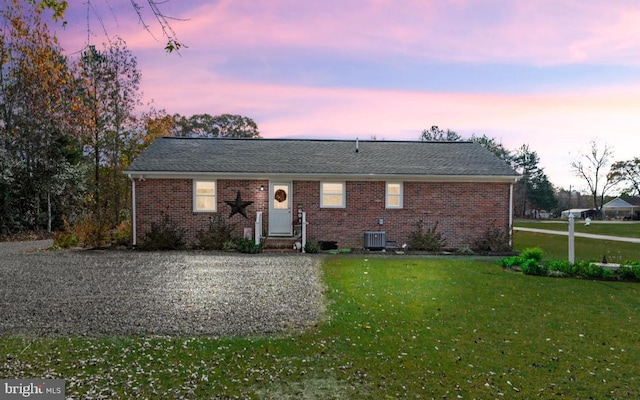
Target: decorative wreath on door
x,y
280,195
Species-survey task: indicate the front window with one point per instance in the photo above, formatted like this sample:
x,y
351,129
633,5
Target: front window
x,y
332,195
204,196
394,195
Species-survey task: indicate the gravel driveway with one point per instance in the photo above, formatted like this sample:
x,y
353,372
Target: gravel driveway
x,y
51,293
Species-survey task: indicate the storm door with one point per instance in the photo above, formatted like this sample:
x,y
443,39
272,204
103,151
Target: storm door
x,y
280,216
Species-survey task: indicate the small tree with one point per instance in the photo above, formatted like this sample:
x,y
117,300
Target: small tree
x,y
591,167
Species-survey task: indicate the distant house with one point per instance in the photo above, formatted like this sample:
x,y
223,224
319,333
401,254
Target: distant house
x,y
619,208
345,188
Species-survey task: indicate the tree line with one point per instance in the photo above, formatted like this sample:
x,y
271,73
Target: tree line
x,y
70,127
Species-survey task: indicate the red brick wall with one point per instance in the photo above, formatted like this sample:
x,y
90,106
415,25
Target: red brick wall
x,y
174,197
463,211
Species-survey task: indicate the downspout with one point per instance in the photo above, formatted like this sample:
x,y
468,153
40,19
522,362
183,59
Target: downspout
x,y
134,229
511,216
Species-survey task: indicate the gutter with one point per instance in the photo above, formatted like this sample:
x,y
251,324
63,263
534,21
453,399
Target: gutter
x,y
511,216
134,230
322,176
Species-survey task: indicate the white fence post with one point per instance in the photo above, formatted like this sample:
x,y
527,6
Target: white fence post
x,y
258,228
304,230
572,249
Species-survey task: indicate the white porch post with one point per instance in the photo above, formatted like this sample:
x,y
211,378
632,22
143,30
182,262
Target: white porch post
x,y
258,227
304,230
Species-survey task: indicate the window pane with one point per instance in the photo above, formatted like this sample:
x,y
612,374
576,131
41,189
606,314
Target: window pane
x,y
332,200
393,201
206,203
281,197
332,194
206,188
332,188
393,188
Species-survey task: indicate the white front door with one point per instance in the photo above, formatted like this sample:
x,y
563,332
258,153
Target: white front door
x,y
280,216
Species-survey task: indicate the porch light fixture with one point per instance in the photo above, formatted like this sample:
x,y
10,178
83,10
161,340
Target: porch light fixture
x,y
262,188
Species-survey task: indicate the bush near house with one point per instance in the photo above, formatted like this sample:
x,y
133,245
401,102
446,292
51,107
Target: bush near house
x,y
428,239
164,235
216,235
493,240
248,246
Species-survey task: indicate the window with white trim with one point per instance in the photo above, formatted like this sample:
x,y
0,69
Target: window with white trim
x,y
332,195
394,195
204,196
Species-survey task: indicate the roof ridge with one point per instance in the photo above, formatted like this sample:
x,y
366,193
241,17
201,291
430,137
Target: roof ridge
x,y
318,140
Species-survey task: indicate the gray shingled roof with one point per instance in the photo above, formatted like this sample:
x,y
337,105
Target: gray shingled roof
x,y
318,157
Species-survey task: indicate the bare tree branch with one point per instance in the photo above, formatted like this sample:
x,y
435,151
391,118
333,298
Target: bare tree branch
x,y
591,168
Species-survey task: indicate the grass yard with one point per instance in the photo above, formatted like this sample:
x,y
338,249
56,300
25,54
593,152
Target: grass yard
x,y
556,247
396,327
626,229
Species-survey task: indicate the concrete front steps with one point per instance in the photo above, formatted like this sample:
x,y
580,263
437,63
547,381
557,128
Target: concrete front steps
x,y
278,244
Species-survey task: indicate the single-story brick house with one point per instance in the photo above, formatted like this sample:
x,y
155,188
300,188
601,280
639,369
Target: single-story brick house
x,y
345,188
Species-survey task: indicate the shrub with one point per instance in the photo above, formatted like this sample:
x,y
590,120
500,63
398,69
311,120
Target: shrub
x,y
636,271
493,239
91,232
510,262
164,235
626,273
64,240
428,239
249,246
532,253
533,267
229,245
465,250
311,247
121,236
562,266
216,235
589,270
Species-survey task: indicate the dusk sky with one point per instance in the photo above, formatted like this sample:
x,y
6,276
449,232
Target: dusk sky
x,y
547,73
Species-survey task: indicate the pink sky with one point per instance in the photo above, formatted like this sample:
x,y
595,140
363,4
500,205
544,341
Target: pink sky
x,y
553,75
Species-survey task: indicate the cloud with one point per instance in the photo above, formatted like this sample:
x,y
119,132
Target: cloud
x,y
542,32
226,34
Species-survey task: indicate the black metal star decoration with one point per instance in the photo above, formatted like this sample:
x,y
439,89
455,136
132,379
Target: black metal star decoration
x,y
238,206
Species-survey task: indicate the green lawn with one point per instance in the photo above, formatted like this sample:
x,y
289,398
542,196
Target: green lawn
x,y
626,229
396,327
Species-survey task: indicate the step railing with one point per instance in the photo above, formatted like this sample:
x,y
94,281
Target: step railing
x,y
258,227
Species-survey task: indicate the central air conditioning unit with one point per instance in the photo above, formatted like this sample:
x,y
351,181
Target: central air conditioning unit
x,y
374,240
